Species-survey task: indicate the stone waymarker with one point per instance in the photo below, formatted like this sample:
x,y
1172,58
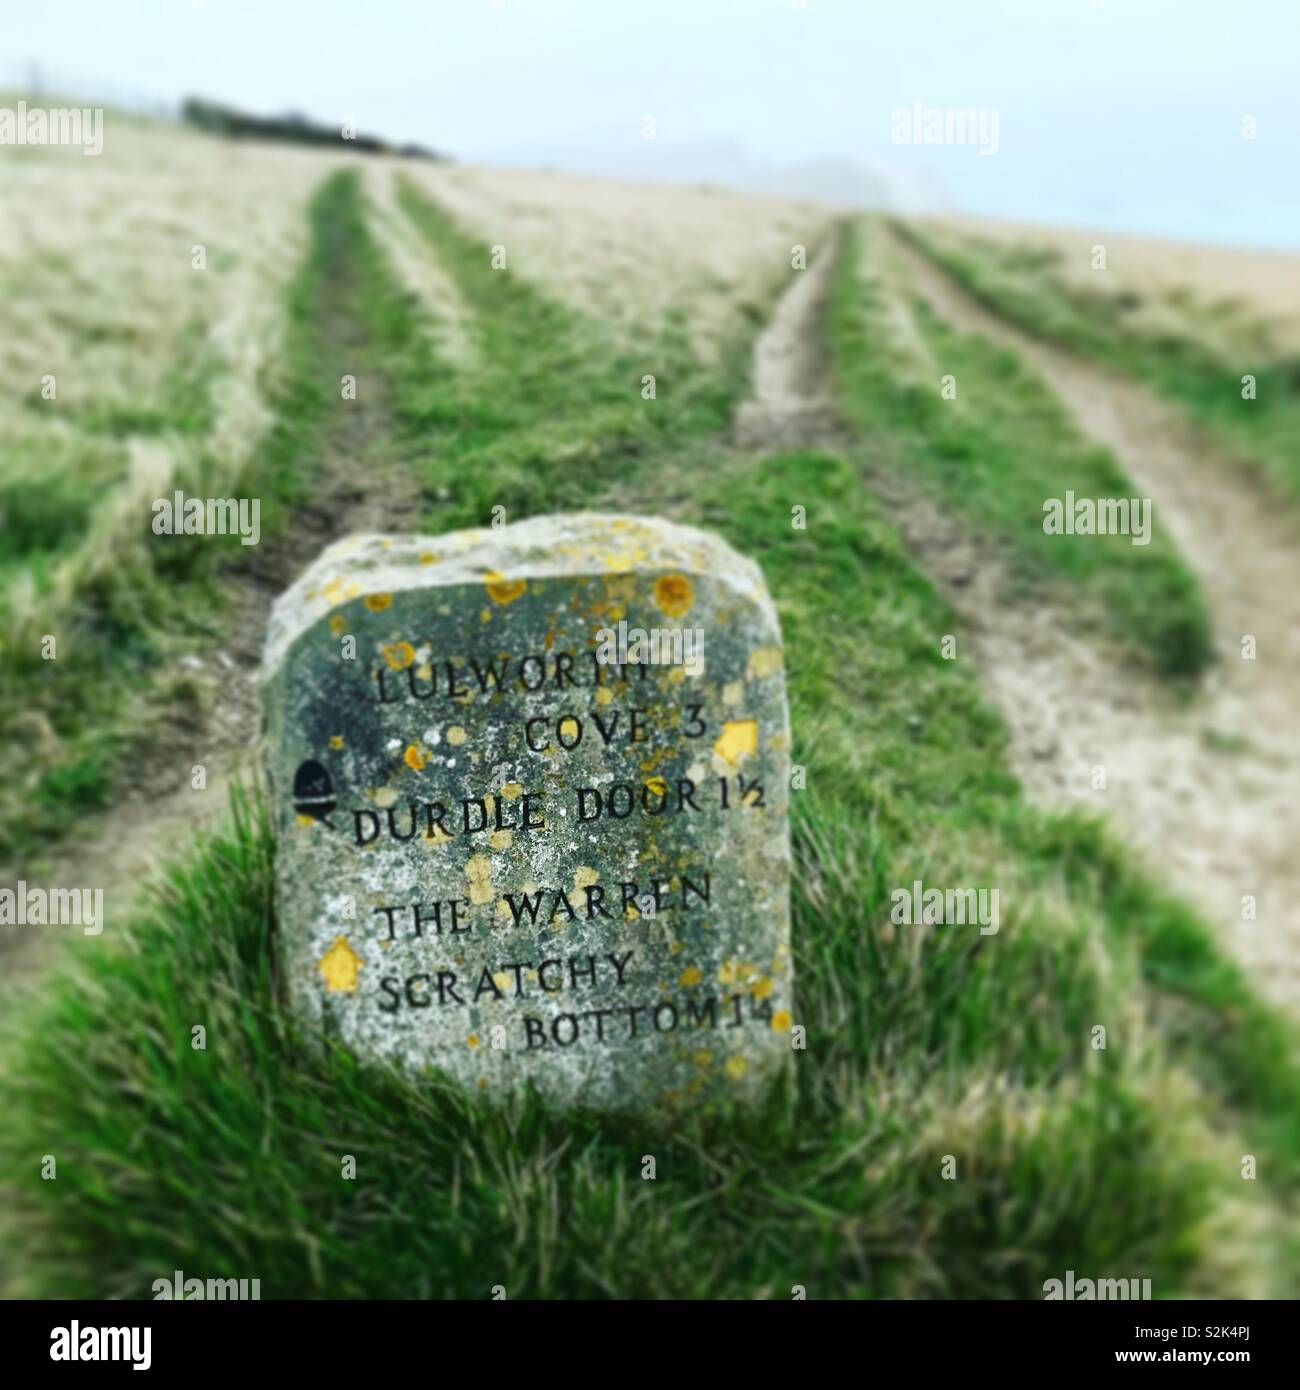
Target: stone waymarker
x,y
530,786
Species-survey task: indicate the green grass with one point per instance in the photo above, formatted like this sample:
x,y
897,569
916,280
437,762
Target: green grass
x,y
552,407
1191,350
45,513
995,453
922,1042
498,437
154,598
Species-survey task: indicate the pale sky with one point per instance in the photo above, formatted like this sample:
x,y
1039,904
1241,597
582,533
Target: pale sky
x,y
1123,113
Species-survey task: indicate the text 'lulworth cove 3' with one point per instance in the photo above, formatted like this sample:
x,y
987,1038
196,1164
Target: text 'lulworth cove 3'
x,y
530,786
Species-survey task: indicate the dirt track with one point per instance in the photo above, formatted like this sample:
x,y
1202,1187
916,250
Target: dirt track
x,y
792,402
1205,790
1208,790
357,488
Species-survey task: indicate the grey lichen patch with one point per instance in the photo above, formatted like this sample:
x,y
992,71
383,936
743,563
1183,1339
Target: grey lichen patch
x,y
509,849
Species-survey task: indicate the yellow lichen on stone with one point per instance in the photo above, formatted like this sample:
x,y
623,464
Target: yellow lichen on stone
x,y
398,655
478,870
738,739
763,661
502,590
736,972
647,579
673,594
339,966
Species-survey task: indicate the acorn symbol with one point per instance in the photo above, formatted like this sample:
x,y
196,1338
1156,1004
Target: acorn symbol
x,y
313,792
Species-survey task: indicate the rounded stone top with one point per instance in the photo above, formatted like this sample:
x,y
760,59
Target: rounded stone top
x,y
568,543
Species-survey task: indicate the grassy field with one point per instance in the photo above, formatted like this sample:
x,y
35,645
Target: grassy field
x,y
163,378
1192,347
995,451
487,388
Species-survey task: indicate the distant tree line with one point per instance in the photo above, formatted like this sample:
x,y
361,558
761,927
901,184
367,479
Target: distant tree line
x,y
217,119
